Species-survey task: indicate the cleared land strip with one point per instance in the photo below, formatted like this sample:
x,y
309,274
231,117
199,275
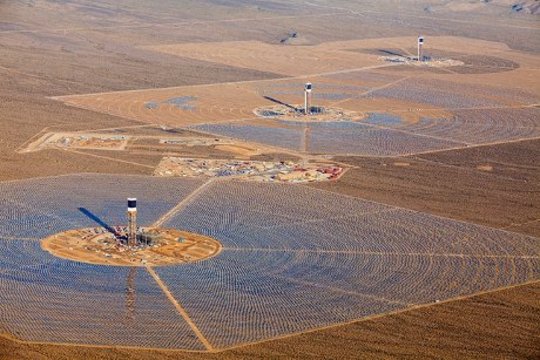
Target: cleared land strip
x,y
461,147
374,89
180,309
109,158
260,145
227,122
116,128
385,253
186,201
36,136
284,78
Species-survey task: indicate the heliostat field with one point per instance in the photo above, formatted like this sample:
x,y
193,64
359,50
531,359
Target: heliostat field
x,y
427,107
294,259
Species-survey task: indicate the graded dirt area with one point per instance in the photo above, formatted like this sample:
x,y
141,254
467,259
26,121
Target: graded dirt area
x,y
100,246
78,141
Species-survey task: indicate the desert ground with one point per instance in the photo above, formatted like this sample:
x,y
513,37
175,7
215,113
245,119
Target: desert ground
x,y
398,220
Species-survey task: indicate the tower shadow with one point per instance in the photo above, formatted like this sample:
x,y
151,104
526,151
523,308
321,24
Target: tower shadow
x,y
390,52
95,218
280,102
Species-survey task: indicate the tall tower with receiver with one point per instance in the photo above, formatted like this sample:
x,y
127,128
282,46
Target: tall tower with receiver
x,y
308,87
420,50
132,221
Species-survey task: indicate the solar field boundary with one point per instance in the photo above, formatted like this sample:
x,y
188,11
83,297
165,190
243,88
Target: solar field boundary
x,y
75,174
218,350
382,315
107,158
313,155
421,212
404,155
284,78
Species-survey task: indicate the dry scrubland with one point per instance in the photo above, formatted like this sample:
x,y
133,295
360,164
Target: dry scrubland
x,y
457,142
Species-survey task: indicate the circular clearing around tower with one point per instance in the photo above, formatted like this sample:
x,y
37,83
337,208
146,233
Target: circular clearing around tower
x,y
157,247
297,113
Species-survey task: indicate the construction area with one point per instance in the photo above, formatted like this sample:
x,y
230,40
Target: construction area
x,y
64,140
436,63
263,171
142,144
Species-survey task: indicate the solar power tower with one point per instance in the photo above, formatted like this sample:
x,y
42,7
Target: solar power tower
x,y
420,50
307,98
132,221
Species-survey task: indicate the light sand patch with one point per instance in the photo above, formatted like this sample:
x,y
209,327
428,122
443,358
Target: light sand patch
x,y
238,150
485,167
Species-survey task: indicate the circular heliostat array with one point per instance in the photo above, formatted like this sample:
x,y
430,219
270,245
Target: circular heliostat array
x,y
292,259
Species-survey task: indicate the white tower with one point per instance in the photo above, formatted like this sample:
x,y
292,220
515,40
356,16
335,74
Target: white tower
x,y
420,52
307,98
132,221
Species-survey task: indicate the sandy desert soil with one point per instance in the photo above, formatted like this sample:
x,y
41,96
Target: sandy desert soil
x,y
54,48
449,184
